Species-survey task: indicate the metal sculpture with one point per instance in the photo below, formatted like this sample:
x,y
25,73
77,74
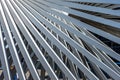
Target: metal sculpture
x,y
54,39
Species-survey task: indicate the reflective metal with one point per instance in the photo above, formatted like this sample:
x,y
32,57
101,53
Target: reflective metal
x,y
55,39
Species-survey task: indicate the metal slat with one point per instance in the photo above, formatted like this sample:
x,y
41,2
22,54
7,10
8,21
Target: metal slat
x,y
85,38
67,52
70,42
86,7
3,58
33,44
11,44
37,35
56,40
81,14
22,47
97,1
83,25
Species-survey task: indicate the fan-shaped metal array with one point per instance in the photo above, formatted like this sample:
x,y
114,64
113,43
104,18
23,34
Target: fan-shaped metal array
x,y
53,39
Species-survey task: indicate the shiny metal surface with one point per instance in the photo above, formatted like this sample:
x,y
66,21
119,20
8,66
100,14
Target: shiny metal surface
x,y
55,39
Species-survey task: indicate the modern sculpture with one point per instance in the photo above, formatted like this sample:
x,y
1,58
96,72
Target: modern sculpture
x,y
53,39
